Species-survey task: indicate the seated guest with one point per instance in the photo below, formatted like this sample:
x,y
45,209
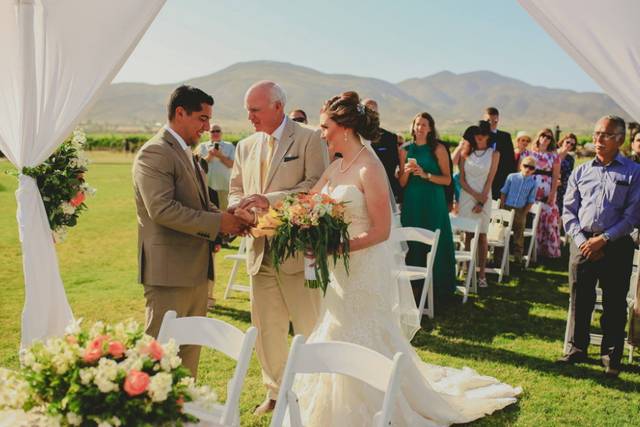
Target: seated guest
x,y
601,207
519,194
298,116
523,139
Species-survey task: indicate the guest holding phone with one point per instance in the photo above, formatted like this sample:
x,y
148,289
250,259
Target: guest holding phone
x,y
547,176
424,178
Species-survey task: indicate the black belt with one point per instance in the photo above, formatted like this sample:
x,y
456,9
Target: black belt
x,y
543,172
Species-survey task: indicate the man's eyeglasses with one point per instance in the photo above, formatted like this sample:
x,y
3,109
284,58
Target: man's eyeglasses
x,y
529,167
215,131
299,119
607,136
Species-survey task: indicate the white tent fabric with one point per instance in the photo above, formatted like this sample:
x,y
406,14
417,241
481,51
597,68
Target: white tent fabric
x,y
57,56
602,37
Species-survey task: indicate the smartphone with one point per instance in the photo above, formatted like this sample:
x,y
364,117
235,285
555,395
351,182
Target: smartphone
x,y
216,145
412,160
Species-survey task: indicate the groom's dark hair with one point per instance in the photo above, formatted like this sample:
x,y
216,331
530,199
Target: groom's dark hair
x,y
188,97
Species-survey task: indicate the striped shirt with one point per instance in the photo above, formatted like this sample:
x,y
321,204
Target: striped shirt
x,y
519,190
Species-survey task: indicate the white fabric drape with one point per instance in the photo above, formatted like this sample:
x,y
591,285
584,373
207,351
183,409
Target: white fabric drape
x,y
57,55
603,37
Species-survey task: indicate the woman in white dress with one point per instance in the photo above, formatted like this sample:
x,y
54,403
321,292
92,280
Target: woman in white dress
x,y
478,167
359,305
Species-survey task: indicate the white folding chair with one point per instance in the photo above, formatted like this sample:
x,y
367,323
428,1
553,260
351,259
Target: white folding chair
x,y
467,225
221,336
427,237
532,234
238,258
506,217
342,358
596,339
495,204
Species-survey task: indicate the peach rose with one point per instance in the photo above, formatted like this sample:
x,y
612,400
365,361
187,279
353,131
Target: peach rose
x,y
78,199
155,350
116,349
93,352
136,382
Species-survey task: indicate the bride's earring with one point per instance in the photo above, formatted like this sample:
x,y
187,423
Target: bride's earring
x,y
345,137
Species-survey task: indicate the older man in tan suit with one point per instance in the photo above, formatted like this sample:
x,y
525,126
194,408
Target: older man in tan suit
x,y
176,220
282,157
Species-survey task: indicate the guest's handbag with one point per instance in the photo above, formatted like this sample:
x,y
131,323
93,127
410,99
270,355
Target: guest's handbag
x,y
497,231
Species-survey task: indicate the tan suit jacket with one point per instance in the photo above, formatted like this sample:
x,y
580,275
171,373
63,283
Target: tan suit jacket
x,y
297,164
176,220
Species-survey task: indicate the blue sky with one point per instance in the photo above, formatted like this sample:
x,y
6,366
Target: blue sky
x,y
390,40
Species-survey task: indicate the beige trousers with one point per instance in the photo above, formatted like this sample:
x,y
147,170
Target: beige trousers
x,y
277,299
185,301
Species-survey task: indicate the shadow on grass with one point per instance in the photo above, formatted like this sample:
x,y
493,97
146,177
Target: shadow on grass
x,y
469,351
234,313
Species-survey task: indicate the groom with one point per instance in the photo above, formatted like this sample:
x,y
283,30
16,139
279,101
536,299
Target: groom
x,y
282,157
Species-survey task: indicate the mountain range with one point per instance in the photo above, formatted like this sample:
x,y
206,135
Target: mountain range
x,y
455,100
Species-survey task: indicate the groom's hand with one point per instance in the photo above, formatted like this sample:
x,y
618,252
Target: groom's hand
x,y
231,224
257,201
246,216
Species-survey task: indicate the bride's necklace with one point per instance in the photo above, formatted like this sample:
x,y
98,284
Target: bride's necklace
x,y
341,170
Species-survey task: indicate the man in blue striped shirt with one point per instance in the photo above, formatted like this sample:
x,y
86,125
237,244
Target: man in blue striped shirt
x,y
518,193
601,208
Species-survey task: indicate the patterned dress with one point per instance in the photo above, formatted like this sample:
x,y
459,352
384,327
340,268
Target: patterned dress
x,y
548,239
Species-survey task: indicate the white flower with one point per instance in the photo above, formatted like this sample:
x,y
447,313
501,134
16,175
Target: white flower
x,y
14,392
160,386
105,375
27,358
87,375
73,328
98,328
67,208
74,419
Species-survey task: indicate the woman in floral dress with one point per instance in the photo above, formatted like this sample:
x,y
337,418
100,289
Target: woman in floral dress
x,y
547,175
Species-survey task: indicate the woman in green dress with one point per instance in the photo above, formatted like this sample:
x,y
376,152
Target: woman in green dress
x,y
426,174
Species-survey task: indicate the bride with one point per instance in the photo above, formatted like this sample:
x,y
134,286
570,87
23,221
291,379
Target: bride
x,y
358,306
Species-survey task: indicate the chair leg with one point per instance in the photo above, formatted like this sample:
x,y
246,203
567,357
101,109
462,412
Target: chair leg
x,y
232,278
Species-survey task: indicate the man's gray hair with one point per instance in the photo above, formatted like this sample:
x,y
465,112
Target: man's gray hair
x,y
278,94
618,121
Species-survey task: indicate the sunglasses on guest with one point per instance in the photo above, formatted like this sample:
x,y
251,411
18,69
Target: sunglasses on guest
x,y
299,119
529,167
215,131
543,136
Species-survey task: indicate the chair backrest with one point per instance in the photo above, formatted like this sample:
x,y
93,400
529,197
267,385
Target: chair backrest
x,y
495,204
242,248
413,234
535,210
203,331
221,336
467,225
342,358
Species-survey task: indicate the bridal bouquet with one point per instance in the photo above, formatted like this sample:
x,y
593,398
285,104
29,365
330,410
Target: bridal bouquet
x,y
62,186
105,376
312,224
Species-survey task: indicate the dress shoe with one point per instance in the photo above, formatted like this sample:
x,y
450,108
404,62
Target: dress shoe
x,y
572,357
265,407
610,372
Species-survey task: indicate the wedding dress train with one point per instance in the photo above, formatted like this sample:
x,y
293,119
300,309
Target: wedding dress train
x,y
357,309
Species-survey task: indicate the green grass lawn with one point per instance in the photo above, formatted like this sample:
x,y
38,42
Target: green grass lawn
x,y
513,331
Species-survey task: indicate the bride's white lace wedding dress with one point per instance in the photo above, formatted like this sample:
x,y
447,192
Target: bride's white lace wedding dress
x,y
357,309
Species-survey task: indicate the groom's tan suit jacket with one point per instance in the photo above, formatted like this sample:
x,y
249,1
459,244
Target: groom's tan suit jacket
x,y
176,220
298,162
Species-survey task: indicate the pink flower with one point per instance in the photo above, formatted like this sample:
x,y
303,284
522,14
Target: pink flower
x,y
71,339
136,382
155,350
78,199
116,349
93,352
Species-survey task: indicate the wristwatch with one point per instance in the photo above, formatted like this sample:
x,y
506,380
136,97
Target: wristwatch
x,y
605,237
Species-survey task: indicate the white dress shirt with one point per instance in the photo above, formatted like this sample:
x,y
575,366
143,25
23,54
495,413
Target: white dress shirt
x,y
183,145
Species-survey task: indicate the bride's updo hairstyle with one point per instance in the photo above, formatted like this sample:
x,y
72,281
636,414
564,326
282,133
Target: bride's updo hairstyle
x,y
347,111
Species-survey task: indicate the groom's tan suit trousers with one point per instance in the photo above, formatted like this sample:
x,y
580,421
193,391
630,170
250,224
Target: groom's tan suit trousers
x,y
297,160
176,222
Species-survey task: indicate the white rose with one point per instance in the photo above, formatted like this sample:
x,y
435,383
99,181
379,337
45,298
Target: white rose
x,y
160,386
67,208
87,375
74,419
73,328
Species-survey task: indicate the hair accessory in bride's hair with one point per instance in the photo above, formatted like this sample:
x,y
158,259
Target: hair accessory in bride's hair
x,y
360,108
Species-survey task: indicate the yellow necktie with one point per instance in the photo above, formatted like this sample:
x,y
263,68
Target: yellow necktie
x,y
266,162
